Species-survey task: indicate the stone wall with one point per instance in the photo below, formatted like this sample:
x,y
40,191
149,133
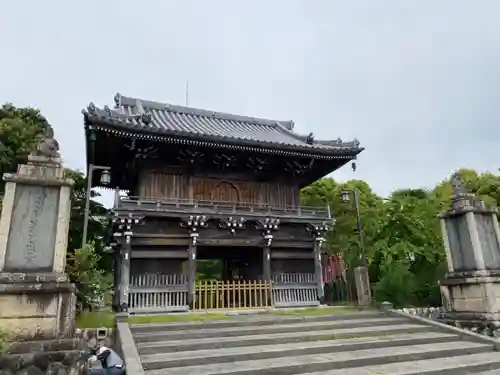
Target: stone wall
x,y
55,357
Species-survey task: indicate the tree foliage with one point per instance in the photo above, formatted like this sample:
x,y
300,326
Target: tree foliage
x,y
20,132
402,236
92,282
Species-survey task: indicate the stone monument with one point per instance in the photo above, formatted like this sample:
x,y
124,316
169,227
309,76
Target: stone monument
x,y
471,288
36,298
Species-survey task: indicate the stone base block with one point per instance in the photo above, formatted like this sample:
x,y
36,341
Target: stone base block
x,y
473,295
37,306
483,323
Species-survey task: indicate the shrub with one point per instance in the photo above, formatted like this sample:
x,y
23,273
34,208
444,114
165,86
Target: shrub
x,y
92,283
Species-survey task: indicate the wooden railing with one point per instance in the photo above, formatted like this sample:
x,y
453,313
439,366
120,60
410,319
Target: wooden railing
x,y
236,294
214,207
158,293
295,289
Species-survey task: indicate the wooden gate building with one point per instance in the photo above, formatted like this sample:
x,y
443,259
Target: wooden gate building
x,y
194,184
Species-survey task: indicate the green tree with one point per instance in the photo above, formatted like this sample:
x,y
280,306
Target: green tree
x,y
99,222
409,246
93,283
402,238
20,131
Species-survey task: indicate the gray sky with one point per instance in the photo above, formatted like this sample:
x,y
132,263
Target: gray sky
x,y
416,81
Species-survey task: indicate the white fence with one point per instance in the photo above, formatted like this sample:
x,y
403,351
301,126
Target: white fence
x,y
158,293
294,289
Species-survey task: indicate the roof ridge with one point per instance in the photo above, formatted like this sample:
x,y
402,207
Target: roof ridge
x,y
121,101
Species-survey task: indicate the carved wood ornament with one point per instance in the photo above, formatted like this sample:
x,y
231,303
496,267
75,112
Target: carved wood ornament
x,y
232,224
224,161
190,157
193,223
268,226
318,231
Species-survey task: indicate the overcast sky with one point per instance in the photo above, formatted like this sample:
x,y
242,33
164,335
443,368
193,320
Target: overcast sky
x,y
416,81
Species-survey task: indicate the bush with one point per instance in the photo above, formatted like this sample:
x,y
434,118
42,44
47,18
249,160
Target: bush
x,y
92,283
396,285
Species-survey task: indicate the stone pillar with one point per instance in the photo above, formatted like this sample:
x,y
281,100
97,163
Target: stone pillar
x,y
363,288
36,297
471,238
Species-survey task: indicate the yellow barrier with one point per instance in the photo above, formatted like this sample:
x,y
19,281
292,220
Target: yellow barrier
x,y
236,294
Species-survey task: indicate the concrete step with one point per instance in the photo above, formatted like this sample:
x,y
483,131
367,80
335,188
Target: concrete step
x,y
487,363
252,321
286,327
491,372
170,346
204,357
301,364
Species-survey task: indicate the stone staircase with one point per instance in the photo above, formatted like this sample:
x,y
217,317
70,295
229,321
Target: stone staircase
x,y
354,343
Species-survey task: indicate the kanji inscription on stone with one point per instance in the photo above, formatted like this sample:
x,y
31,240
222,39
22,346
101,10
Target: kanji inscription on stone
x,y
32,236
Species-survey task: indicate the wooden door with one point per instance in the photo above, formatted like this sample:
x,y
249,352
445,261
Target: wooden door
x,y
226,192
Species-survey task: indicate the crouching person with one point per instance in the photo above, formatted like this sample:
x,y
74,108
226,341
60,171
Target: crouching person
x,y
111,362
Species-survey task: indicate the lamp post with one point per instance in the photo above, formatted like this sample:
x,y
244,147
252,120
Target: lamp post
x,y
361,277
345,197
105,180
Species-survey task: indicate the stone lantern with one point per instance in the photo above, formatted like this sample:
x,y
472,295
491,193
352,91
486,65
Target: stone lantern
x,y
471,287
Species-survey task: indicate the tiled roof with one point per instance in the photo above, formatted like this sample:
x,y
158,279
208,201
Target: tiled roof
x,y
170,120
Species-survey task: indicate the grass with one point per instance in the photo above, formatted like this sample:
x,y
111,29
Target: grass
x,y
4,341
347,336
96,319
174,318
317,311
107,319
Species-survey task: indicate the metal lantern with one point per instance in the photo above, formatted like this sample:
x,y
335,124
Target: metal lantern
x,y
344,195
105,177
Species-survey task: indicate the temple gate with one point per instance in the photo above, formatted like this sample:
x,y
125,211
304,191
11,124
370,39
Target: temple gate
x,y
194,185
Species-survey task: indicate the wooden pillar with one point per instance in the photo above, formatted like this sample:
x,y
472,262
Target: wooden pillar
x,y
117,278
125,252
191,273
266,263
318,269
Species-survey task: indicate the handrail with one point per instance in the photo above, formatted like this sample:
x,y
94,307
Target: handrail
x,y
231,207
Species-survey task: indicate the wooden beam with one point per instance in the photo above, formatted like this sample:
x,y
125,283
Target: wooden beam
x,y
229,242
292,244
142,254
161,242
291,255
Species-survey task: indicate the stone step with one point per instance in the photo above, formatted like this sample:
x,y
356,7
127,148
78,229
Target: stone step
x,y
251,321
487,363
201,333
204,357
170,346
321,362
